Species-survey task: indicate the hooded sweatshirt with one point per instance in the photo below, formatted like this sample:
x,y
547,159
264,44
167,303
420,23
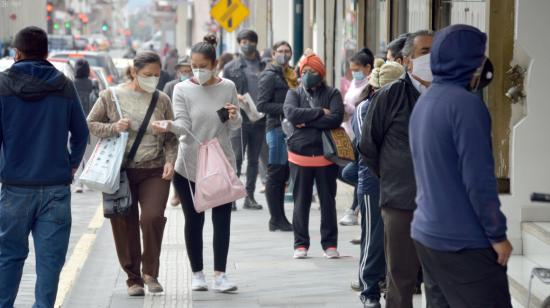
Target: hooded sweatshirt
x,y
39,107
450,137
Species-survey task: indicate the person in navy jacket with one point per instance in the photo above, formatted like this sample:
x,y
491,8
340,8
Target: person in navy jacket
x,y
458,228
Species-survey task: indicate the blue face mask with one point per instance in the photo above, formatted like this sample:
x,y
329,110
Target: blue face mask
x,y
358,75
184,77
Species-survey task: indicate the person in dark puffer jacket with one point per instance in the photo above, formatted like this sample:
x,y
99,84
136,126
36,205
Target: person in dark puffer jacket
x,y
313,108
275,81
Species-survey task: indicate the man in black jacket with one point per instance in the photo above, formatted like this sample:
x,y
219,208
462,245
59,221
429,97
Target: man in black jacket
x,y
244,71
385,148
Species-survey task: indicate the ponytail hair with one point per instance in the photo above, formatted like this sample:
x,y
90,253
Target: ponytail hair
x,y
364,57
207,47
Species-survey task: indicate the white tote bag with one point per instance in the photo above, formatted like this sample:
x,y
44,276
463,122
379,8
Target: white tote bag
x,y
102,172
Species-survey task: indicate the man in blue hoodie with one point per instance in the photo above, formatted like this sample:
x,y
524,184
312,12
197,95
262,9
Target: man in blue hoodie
x,y
39,107
458,228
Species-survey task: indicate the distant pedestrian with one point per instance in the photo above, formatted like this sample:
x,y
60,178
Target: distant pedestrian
x,y
275,81
225,58
85,89
196,103
395,49
40,108
458,228
183,72
149,173
312,108
170,62
361,64
244,72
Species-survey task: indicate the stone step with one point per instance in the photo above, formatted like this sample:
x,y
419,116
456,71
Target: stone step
x,y
536,253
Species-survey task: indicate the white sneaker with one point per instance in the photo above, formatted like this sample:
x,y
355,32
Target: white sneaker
x,y
300,253
223,285
349,218
199,282
332,253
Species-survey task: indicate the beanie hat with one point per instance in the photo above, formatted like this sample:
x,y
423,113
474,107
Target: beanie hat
x,y
384,73
314,62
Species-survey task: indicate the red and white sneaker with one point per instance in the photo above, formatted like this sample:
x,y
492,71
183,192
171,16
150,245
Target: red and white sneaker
x,y
300,252
332,253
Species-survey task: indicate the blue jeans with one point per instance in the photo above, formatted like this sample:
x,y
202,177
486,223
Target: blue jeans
x,y
372,266
46,212
278,154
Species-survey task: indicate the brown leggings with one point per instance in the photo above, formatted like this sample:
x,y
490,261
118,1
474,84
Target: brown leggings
x,y
151,191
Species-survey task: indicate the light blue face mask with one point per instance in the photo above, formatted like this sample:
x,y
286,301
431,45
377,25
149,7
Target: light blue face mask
x,y
184,77
358,75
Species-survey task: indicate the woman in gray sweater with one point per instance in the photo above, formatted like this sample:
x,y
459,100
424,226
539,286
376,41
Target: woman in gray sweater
x,y
196,102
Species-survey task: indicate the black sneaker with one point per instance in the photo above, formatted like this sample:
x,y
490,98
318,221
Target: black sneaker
x,y
251,204
371,303
285,226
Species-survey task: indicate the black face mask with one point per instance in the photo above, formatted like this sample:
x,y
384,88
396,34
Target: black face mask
x,y
311,80
248,49
484,75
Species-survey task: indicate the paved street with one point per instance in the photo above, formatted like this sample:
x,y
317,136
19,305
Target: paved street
x,y
260,262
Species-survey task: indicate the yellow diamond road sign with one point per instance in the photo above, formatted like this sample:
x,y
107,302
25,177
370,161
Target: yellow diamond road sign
x,y
229,14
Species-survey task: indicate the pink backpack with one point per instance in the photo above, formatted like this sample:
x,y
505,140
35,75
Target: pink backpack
x,y
216,182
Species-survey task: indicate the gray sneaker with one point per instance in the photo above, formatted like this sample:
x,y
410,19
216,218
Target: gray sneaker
x,y
300,253
223,285
136,290
332,253
349,219
153,285
198,282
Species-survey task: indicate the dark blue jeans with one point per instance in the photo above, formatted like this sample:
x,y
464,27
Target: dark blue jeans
x,y
372,266
46,212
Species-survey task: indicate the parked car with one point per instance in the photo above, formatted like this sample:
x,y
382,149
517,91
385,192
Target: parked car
x,y
62,65
61,42
122,65
98,74
101,59
82,43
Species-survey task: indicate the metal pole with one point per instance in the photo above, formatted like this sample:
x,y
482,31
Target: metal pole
x,y
298,43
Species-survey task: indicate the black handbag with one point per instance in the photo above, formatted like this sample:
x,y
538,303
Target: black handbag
x,y
120,203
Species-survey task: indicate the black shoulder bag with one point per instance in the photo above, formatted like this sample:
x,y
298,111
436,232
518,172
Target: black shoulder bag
x,y
119,203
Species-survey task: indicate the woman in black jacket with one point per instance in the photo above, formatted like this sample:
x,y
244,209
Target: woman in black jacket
x,y
313,108
275,81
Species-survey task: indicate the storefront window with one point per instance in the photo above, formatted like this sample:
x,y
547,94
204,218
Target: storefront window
x,y
348,43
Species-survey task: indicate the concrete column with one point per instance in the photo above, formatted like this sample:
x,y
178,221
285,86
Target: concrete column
x,y
261,26
182,27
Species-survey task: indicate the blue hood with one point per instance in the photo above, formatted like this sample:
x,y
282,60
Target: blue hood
x,y
32,80
457,51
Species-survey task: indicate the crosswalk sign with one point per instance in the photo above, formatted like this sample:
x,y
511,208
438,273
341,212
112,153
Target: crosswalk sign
x,y
229,14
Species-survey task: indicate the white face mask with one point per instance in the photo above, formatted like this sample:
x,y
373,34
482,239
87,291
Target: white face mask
x,y
422,69
148,84
202,75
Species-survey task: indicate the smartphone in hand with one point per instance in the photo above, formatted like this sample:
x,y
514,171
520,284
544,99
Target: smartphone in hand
x,y
223,114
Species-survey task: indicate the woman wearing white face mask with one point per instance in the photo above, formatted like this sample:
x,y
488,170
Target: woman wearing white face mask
x,y
149,172
206,108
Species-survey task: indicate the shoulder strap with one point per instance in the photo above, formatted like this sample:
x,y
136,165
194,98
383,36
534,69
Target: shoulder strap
x,y
143,126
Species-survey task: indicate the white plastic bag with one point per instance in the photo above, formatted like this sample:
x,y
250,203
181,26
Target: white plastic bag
x,y
102,171
249,107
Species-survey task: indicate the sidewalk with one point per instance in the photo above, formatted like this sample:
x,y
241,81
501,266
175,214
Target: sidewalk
x,y
260,262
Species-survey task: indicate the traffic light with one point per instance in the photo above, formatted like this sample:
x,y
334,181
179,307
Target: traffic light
x,y
67,25
56,26
49,11
105,27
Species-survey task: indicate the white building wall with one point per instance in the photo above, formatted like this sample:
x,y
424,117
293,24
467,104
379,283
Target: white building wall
x,y
27,13
530,149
